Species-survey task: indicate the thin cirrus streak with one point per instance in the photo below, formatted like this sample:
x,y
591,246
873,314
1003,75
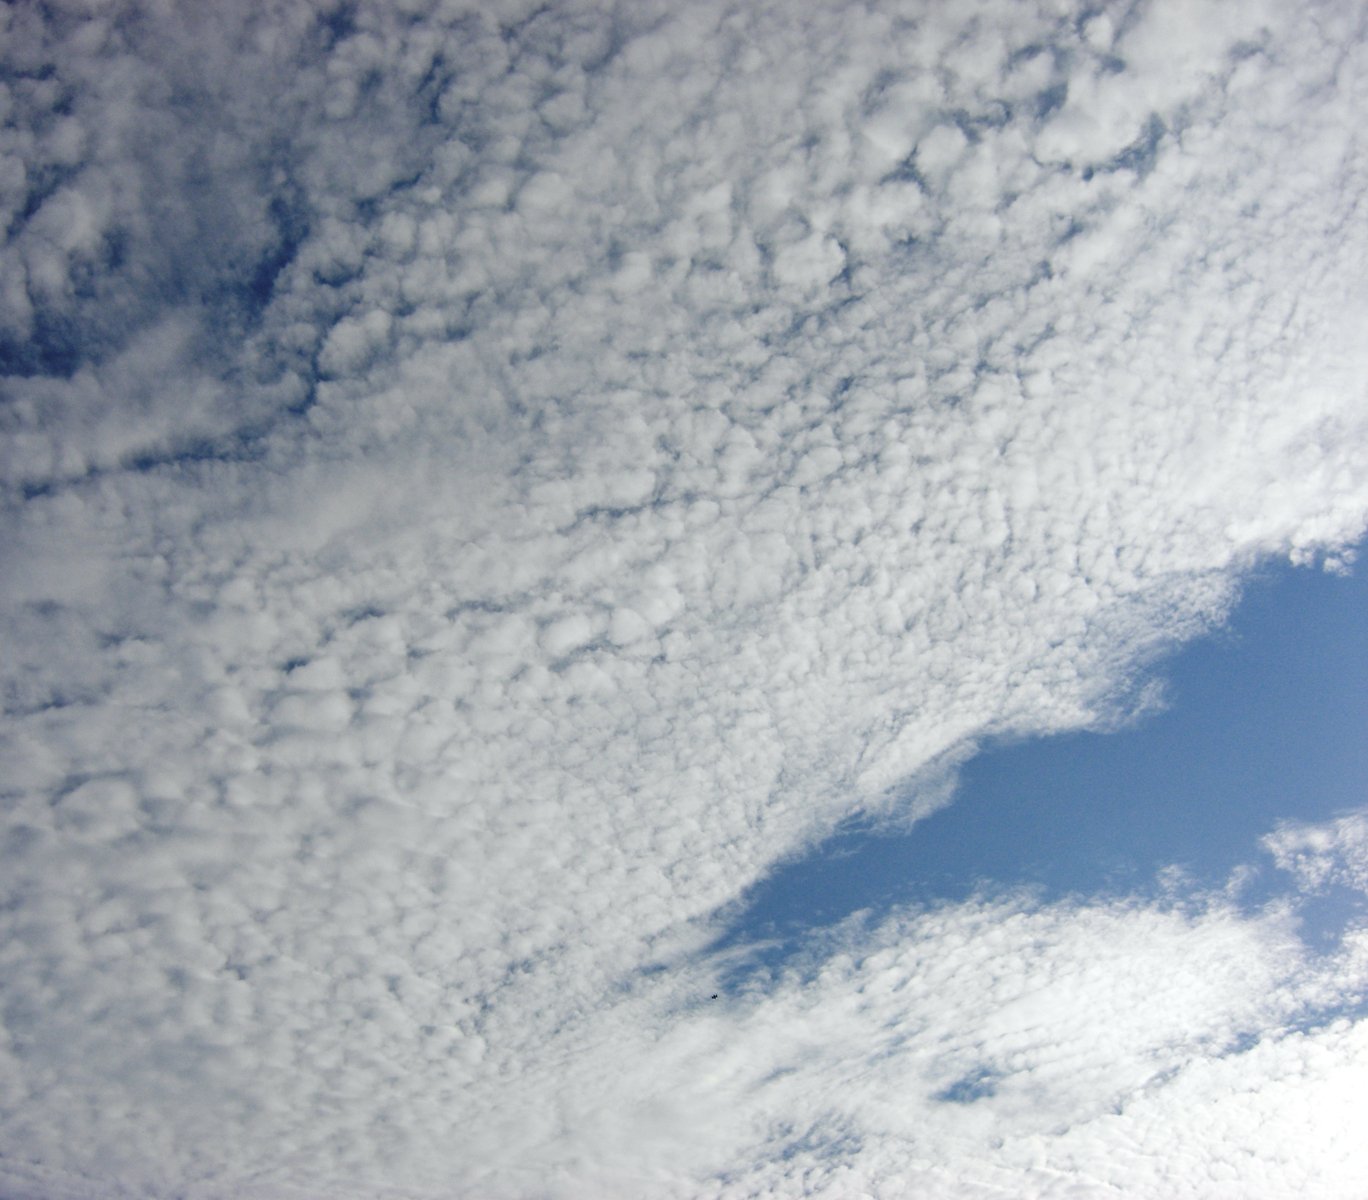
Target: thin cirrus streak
x,y
483,485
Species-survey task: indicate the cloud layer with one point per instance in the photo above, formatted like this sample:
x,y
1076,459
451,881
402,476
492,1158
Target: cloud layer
x,y
483,487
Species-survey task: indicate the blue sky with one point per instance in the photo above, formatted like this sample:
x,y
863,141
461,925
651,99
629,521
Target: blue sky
x,y
505,507
1263,721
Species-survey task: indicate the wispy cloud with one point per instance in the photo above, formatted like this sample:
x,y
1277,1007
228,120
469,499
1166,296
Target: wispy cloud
x,y
483,487
1335,852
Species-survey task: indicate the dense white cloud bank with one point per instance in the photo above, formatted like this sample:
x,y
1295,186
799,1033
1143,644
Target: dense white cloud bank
x,y
482,487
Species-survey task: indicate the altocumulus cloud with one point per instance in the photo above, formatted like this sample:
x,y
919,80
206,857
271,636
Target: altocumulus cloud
x,y
484,483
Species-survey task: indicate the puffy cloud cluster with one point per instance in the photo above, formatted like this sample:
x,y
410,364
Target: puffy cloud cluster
x,y
482,484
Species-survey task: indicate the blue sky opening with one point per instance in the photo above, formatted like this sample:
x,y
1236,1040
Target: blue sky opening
x,y
1266,721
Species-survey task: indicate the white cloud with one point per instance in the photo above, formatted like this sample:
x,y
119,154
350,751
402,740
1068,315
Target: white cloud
x,y
1333,852
481,488
974,1049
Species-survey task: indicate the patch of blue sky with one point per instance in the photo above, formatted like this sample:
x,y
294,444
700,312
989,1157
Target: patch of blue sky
x,y
1266,721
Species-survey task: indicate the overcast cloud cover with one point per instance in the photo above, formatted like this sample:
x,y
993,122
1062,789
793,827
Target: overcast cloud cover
x,y
483,484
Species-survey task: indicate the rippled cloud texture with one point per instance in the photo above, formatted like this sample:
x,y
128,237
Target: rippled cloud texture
x,y
483,484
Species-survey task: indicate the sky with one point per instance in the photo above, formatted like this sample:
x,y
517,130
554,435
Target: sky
x,y
683,600
1260,724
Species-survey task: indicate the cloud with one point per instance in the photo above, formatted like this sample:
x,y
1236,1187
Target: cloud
x,y
1335,852
482,487
992,1046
